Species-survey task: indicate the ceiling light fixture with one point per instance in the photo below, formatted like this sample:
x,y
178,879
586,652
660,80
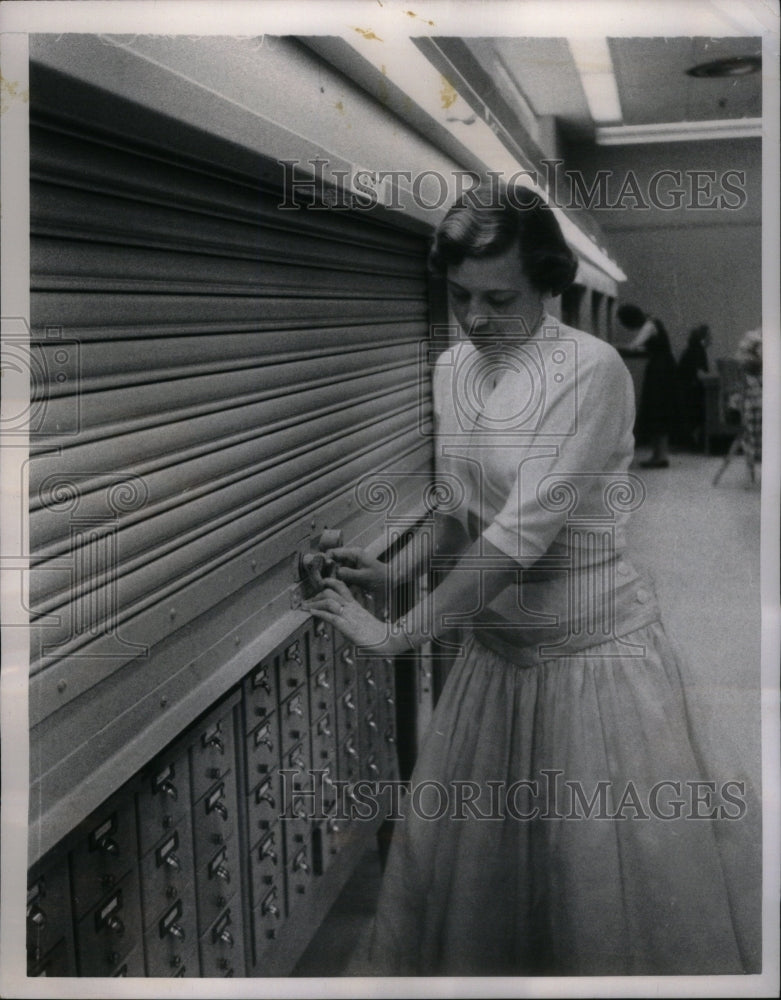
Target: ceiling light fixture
x,y
735,66
595,67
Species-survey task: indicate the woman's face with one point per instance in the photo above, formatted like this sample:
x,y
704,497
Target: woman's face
x,y
492,298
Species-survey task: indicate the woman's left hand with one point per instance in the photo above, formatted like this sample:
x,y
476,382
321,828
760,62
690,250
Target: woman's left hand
x,y
336,604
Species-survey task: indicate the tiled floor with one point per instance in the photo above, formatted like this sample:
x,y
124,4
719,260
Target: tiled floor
x,y
702,544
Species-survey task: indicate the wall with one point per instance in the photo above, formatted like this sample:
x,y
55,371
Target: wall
x,y
690,264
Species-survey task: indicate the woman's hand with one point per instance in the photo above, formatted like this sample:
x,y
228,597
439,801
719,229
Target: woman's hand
x,y
335,604
357,568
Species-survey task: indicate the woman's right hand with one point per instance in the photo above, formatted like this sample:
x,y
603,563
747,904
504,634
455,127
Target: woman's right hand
x,y
358,569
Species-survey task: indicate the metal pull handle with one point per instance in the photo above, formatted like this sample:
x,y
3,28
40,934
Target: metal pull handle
x,y
333,826
262,681
346,658
173,862
373,768
294,654
36,916
223,872
370,679
323,728
227,937
389,737
294,708
301,865
370,722
170,789
219,807
175,930
322,681
267,851
266,796
351,750
109,846
389,699
215,742
348,701
115,924
270,908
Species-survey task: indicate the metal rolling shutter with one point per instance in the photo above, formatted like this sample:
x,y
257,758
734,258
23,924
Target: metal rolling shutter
x,y
214,368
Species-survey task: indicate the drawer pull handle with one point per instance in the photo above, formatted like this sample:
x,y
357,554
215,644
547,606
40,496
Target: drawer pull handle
x,y
36,916
294,708
347,658
348,701
373,768
173,862
109,846
389,698
177,931
270,908
227,937
215,742
333,826
370,722
261,681
300,864
223,872
370,679
389,737
266,796
351,750
264,740
115,924
267,851
220,808
169,788
323,728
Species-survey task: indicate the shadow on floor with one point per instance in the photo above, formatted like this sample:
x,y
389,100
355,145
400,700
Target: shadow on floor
x,y
340,946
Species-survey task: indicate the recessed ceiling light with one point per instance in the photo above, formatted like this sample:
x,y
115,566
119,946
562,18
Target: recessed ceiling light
x,y
736,66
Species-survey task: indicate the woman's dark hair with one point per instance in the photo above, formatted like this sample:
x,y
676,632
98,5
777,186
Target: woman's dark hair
x,y
487,221
698,334
632,317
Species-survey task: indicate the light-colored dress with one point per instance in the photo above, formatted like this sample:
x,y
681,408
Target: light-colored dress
x,y
554,824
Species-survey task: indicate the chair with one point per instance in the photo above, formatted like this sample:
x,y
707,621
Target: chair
x,y
722,416
744,398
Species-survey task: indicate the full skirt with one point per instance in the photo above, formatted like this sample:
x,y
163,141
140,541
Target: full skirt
x,y
559,823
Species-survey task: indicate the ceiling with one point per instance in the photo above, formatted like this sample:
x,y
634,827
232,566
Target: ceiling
x,y
541,77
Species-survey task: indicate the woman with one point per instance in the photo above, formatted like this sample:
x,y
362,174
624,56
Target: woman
x,y
657,412
567,692
692,364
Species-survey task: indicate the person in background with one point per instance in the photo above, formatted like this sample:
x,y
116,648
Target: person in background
x,y
692,364
657,410
748,404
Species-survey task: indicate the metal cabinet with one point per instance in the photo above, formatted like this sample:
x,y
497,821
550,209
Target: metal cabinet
x,y
216,858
